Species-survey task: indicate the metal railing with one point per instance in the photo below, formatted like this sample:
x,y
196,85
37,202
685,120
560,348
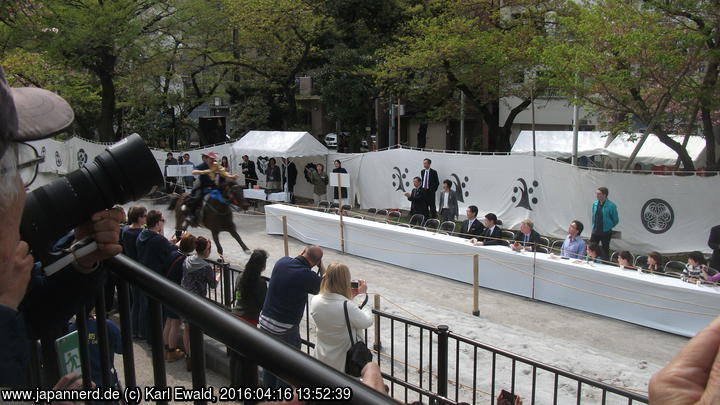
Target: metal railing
x,y
202,317
433,364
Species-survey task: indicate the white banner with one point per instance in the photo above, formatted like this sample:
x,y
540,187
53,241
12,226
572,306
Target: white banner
x,y
665,213
669,214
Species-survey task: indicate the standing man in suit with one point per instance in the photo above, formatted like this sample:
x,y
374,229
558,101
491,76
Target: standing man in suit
x,y
527,239
471,226
604,219
491,235
248,170
714,244
430,184
417,199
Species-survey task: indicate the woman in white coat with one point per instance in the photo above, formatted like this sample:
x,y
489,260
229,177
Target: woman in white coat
x,y
326,308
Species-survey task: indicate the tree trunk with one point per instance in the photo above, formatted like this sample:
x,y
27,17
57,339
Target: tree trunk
x,y
292,117
683,154
107,109
422,135
710,155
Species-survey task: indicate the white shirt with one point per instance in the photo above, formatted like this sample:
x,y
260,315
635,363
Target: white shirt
x,y
333,340
446,197
470,222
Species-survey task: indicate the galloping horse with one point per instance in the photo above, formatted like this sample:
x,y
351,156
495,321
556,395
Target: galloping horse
x,y
215,216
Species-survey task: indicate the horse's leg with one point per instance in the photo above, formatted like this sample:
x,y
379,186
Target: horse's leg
x,y
216,238
239,240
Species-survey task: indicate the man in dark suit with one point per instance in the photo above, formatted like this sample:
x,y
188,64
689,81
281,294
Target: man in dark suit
x,y
714,244
430,183
527,239
248,170
471,226
417,199
492,235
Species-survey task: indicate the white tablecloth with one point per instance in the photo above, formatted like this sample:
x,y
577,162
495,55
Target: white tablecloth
x,y
259,194
655,301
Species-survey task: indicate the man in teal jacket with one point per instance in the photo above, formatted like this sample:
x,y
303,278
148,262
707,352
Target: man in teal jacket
x,y
604,219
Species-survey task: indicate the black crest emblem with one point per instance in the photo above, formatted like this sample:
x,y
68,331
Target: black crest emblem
x,y
657,216
524,200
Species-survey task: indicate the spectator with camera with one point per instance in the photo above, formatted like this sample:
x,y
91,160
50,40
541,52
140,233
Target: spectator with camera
x,y
328,311
33,305
291,281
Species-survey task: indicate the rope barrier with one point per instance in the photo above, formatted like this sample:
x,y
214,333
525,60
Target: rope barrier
x,y
505,264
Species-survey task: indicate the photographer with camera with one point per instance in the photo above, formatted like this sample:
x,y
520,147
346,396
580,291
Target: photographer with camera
x,y
57,236
33,305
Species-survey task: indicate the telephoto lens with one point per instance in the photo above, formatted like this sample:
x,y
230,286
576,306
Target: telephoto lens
x,y
125,172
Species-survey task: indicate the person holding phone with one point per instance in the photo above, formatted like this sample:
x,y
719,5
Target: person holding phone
x,y
327,310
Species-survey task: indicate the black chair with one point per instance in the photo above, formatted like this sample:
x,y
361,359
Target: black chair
x,y
346,207
674,267
323,206
544,242
613,257
381,214
509,235
358,217
641,261
417,219
394,217
372,211
447,227
334,205
541,249
557,245
432,224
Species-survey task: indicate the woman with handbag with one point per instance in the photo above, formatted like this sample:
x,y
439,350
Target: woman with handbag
x,y
340,321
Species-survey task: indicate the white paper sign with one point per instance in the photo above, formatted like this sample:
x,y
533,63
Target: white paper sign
x,y
179,170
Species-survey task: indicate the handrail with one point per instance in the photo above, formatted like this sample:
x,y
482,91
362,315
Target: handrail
x,y
282,360
547,367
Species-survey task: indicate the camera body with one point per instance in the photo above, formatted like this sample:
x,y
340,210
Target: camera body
x,y
125,172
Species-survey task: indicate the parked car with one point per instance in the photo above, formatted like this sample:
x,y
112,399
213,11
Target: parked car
x,y
331,140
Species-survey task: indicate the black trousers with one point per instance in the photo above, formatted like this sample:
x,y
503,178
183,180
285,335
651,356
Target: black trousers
x,y
603,238
430,199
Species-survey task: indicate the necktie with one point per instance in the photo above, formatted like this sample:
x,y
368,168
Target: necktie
x,y
426,181
526,238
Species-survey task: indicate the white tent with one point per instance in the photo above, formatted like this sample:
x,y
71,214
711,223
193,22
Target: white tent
x,y
279,144
558,144
655,152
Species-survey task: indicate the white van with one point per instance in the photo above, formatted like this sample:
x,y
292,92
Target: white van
x,y
331,140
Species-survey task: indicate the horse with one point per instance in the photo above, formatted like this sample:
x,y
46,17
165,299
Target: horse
x,y
215,216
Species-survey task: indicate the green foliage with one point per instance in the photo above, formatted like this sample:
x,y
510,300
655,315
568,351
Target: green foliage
x,y
477,46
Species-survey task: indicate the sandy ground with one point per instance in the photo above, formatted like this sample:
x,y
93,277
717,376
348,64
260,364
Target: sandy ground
x,y
612,351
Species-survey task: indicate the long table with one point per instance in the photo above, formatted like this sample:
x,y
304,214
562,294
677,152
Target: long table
x,y
659,302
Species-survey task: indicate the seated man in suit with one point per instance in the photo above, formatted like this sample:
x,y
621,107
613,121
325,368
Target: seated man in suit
x,y
471,226
417,199
527,239
492,235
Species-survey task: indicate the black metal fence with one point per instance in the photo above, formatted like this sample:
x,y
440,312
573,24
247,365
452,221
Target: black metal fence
x,y
203,318
432,364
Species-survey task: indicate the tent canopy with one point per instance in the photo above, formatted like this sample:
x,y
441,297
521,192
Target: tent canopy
x,y
279,144
558,144
655,152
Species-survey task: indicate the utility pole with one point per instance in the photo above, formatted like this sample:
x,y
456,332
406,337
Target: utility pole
x,y
462,121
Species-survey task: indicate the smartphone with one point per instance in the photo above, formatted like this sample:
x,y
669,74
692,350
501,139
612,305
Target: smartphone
x,y
354,284
508,397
